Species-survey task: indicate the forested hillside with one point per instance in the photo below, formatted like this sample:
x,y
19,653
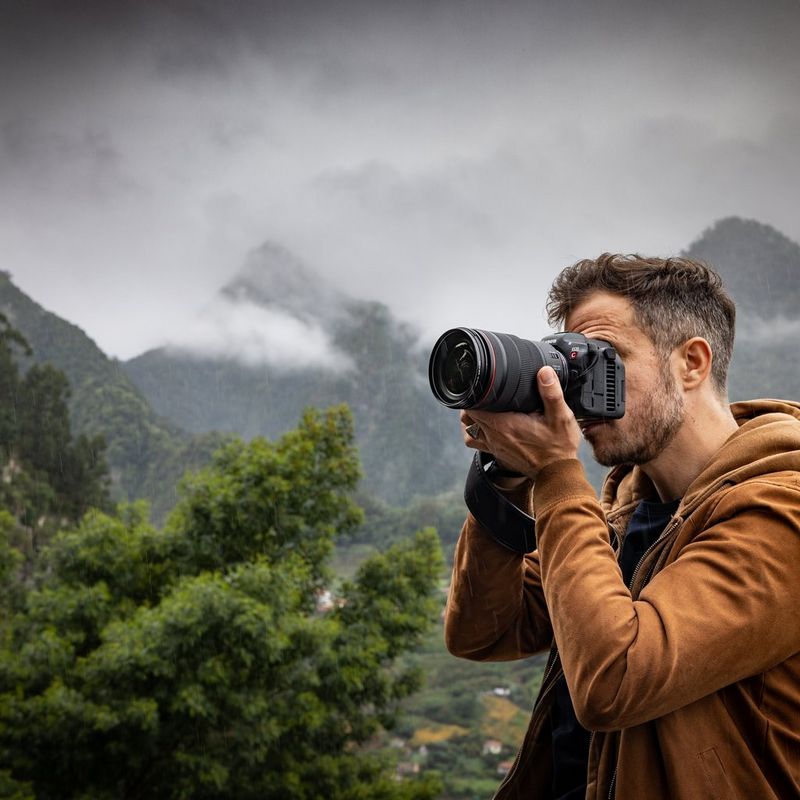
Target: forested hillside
x,y
48,477
147,454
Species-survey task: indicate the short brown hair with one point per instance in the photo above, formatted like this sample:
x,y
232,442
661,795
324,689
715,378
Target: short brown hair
x,y
673,300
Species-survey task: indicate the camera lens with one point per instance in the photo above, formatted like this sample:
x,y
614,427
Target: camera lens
x,y
471,368
458,370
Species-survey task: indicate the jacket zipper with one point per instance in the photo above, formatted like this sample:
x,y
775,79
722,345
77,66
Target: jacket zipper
x,y
547,670
673,523
613,783
544,691
618,550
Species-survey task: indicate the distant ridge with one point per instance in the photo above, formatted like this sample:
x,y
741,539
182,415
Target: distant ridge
x,y
760,266
761,269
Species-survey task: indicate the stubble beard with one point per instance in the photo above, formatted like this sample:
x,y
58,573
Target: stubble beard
x,y
647,430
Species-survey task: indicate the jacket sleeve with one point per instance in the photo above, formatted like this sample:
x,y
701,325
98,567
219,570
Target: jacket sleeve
x,y
496,609
724,610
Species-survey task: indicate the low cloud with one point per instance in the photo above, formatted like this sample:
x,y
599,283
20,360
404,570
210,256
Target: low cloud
x,y
255,336
753,327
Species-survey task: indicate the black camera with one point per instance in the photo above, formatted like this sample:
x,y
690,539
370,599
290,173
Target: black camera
x,y
471,368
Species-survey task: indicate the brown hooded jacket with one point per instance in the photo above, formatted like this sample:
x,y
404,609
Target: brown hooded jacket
x,y
691,680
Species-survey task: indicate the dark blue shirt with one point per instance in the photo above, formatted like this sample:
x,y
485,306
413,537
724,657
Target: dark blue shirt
x,y
570,739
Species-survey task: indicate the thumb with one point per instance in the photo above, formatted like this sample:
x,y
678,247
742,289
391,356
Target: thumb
x,y
551,392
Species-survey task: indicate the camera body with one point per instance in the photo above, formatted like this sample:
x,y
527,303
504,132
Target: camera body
x,y
595,386
472,368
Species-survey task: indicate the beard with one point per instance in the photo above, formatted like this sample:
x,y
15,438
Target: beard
x,y
644,432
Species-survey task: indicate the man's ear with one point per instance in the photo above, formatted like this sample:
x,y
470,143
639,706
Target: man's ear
x,y
695,359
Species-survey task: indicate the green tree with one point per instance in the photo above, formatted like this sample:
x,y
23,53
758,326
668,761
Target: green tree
x,y
43,432
75,470
10,340
10,560
192,661
46,474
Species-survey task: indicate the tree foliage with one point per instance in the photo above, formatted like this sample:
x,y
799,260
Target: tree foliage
x,y
46,472
192,661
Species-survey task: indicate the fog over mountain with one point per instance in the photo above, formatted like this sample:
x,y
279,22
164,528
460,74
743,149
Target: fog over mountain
x,y
445,158
275,312
230,377
273,278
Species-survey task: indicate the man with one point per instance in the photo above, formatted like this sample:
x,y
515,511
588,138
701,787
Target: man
x,y
671,604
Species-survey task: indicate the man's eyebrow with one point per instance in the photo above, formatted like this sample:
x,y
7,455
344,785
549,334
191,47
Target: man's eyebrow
x,y
619,344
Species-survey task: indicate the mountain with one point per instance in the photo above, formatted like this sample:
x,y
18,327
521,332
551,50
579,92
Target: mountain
x,y
760,266
278,338
274,278
761,269
147,454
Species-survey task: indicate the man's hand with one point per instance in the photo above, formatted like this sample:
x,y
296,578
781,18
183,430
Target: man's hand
x,y
527,442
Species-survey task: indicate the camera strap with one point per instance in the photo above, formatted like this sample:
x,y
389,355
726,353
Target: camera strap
x,y
507,524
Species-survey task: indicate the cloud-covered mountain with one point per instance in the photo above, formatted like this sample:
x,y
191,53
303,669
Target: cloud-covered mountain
x,y
273,278
278,338
760,266
274,313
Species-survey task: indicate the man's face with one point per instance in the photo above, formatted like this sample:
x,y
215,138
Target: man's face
x,y
654,407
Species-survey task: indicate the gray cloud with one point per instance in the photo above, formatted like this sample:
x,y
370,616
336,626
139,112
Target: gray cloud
x,y
28,146
253,335
446,158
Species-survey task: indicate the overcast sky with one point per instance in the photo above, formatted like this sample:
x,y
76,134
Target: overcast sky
x,y
447,158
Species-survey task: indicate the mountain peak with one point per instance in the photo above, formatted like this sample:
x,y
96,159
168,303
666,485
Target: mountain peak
x,y
760,266
275,311
274,278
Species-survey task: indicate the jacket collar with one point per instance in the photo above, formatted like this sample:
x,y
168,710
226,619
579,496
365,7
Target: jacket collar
x,y
768,440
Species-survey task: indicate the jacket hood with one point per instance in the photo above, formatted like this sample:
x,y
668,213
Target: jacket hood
x,y
768,441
